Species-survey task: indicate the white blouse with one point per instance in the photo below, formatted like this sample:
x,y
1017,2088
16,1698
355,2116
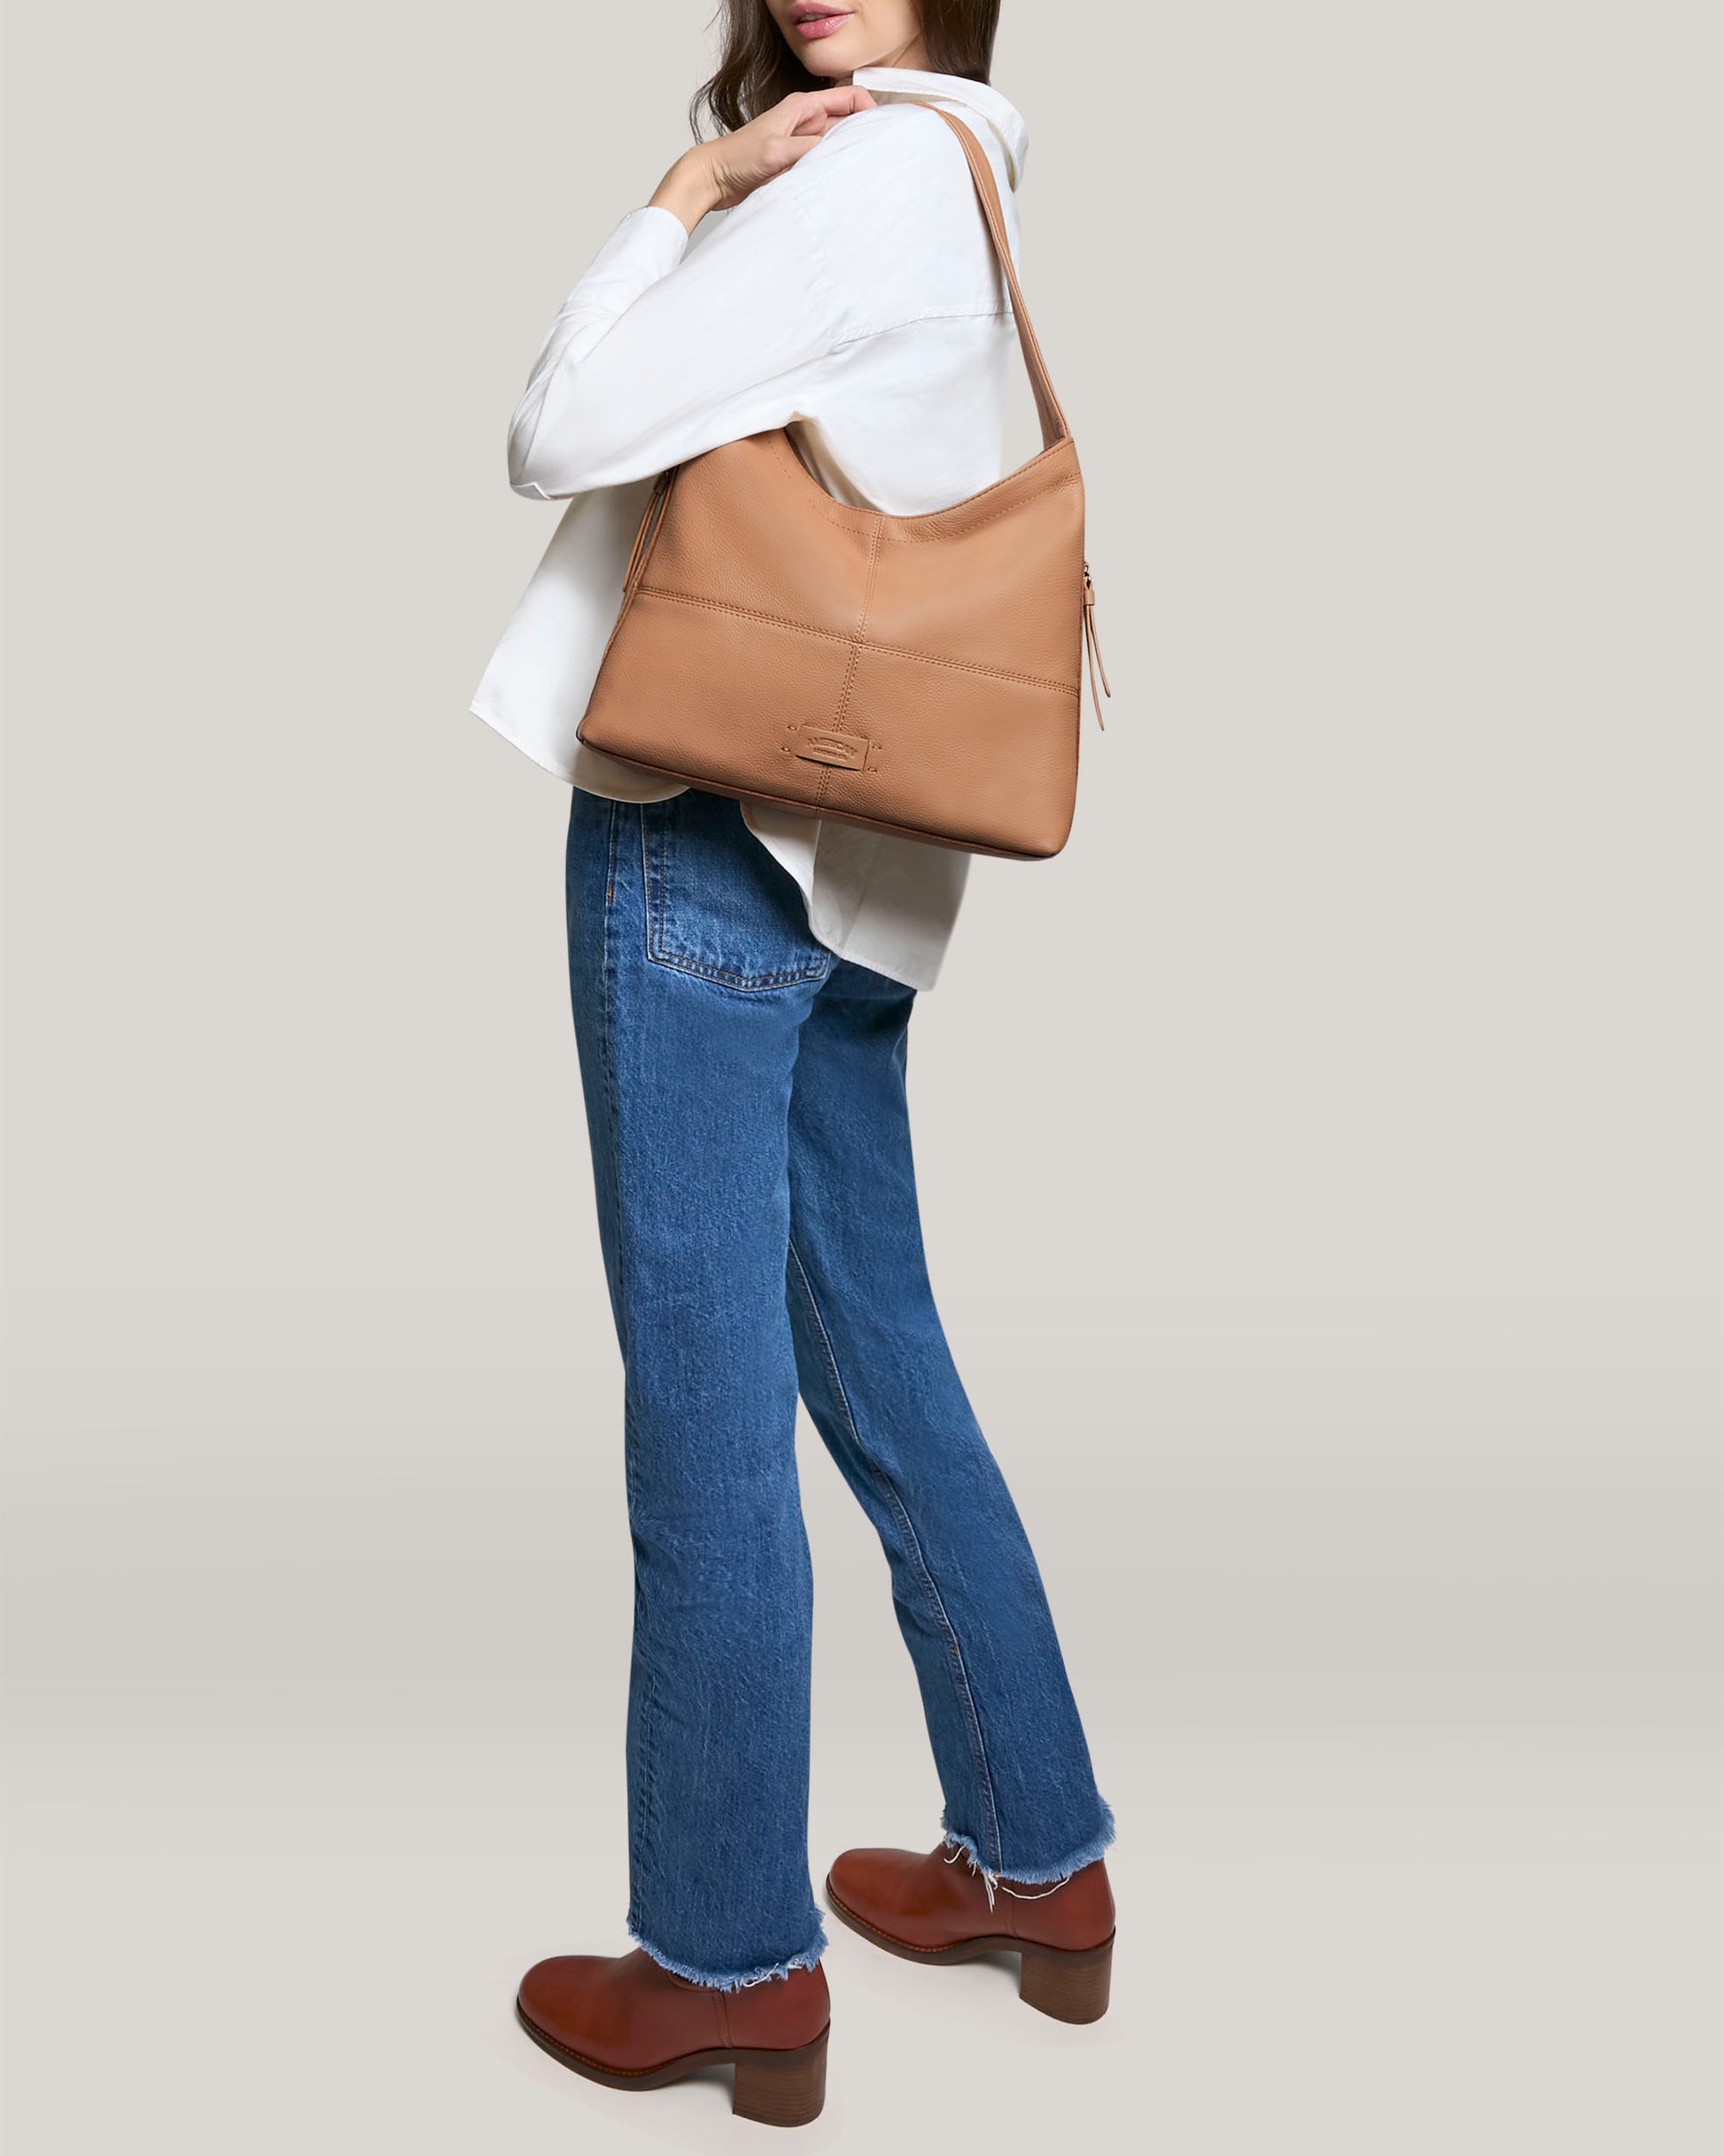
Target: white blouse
x,y
854,299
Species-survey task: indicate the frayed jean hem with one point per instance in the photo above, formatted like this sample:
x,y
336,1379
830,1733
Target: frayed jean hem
x,y
1054,1875
716,1981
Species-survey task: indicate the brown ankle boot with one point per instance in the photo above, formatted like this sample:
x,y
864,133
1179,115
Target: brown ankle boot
x,y
625,2021
935,1908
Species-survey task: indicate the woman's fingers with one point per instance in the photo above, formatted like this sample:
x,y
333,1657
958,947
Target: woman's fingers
x,y
821,107
739,163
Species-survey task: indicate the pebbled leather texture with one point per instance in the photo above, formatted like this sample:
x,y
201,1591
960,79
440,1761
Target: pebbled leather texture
x,y
936,1901
628,2014
933,663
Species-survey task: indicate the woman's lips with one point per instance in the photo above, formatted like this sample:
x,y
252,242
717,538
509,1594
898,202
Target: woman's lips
x,y
822,24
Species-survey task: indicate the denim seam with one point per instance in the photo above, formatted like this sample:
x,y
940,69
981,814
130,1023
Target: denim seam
x,y
918,1563
613,1109
1049,1875
656,891
746,981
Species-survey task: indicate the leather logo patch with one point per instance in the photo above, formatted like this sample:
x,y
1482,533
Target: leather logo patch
x,y
825,744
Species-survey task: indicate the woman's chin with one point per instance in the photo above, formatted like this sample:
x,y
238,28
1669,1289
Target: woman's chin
x,y
835,57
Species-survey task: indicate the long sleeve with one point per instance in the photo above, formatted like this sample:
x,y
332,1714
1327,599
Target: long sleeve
x,y
665,350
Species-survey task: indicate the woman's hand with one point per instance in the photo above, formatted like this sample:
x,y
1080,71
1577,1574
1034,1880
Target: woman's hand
x,y
717,176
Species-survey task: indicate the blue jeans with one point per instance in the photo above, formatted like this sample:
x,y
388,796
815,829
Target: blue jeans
x,y
745,1098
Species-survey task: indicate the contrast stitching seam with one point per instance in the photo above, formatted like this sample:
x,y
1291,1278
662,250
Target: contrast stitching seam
x,y
631,1480
918,1563
657,900
861,625
825,787
741,980
841,636
899,829
655,884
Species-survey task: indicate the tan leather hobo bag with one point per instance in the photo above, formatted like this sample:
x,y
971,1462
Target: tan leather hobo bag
x,y
915,674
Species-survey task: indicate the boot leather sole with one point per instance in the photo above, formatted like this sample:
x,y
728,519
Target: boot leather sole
x,y
798,2073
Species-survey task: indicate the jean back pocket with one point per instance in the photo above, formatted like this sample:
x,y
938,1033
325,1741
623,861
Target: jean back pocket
x,y
718,905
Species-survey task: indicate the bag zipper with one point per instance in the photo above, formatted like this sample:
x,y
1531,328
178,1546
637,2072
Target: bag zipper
x,y
647,531
1092,646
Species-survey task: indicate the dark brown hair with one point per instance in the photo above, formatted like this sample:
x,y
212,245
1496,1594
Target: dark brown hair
x,y
758,66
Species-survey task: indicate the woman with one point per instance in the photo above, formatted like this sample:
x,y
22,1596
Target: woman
x,y
742,981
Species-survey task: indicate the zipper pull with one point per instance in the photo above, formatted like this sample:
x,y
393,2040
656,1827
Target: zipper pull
x,y
1092,645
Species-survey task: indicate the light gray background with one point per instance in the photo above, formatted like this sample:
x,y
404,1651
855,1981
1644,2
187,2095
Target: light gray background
x,y
1320,1160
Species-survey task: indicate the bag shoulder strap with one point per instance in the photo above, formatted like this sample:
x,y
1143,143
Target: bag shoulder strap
x,y
1047,405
